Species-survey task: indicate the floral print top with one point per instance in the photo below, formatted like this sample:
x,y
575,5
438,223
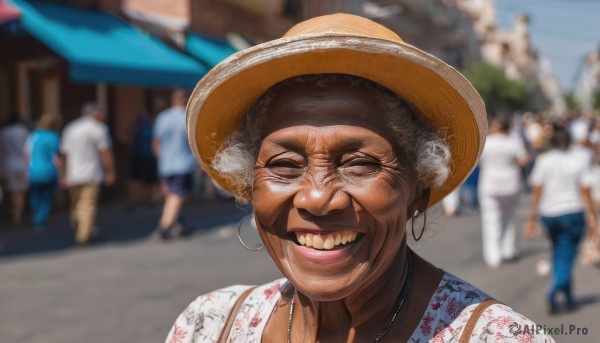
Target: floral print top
x,y
444,320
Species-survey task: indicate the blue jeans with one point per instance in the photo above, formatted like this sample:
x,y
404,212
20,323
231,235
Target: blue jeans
x,y
565,232
41,196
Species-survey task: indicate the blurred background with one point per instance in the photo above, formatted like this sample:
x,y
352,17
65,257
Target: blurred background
x,y
538,61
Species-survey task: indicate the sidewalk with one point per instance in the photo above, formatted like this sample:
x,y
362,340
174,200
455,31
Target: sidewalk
x,y
116,224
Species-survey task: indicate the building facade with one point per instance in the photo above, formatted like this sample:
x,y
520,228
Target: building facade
x,y
511,50
62,54
589,80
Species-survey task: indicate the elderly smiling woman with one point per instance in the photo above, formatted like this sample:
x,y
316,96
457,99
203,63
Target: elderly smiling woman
x,y
340,134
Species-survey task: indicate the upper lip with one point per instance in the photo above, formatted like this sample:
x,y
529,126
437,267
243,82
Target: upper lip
x,y
321,230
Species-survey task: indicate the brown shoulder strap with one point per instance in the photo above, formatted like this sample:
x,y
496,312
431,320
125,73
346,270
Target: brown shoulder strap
x,y
468,331
232,315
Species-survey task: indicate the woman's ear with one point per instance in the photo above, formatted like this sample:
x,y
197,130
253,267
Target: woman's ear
x,y
424,201
420,201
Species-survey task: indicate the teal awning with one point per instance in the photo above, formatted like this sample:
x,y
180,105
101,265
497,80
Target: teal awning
x,y
101,48
209,50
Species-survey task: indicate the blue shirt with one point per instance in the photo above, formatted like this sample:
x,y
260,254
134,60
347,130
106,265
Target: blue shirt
x,y
175,156
43,147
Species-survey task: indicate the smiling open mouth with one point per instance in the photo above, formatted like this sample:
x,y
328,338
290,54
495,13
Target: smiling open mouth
x,y
326,241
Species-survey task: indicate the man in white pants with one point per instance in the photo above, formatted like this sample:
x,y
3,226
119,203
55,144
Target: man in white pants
x,y
499,186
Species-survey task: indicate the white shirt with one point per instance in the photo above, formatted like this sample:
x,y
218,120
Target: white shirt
x,y
561,174
594,137
595,182
586,153
12,146
82,141
500,173
579,129
535,133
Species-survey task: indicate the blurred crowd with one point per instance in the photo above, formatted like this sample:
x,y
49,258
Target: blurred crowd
x,y
34,165
555,163
38,165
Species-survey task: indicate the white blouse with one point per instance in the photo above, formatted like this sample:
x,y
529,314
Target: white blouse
x,y
446,315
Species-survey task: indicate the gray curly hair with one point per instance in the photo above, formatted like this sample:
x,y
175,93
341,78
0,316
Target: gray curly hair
x,y
424,149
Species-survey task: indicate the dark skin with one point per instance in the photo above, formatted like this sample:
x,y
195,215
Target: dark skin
x,y
328,163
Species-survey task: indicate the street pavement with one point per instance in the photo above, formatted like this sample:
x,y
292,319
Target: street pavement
x,y
128,288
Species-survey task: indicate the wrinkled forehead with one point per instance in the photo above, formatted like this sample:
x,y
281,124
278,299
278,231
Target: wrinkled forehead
x,y
337,104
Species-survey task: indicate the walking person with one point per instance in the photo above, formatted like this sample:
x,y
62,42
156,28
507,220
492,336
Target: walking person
x,y
42,149
580,131
451,203
144,174
590,247
561,194
176,165
498,191
87,149
13,163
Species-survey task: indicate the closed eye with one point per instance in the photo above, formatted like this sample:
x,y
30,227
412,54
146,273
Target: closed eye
x,y
283,163
285,168
360,166
360,162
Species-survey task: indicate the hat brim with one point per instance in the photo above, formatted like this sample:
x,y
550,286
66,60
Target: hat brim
x,y
437,91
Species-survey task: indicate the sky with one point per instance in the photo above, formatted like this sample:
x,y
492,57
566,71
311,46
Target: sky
x,y
562,31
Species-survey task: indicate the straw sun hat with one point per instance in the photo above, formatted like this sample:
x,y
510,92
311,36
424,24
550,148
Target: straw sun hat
x,y
340,44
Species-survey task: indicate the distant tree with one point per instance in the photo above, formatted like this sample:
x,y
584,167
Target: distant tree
x,y
499,93
571,100
596,99
535,99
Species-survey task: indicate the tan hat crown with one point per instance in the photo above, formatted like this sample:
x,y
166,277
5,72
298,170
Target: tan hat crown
x,y
342,23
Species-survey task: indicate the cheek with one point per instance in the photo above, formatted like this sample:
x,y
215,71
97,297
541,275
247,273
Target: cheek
x,y
272,200
271,206
385,197
383,205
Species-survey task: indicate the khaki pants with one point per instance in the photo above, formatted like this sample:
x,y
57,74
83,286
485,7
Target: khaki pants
x,y
84,203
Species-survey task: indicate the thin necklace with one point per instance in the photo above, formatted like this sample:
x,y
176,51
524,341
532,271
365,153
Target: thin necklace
x,y
401,299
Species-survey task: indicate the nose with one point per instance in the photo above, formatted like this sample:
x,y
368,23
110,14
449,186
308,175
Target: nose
x,y
320,199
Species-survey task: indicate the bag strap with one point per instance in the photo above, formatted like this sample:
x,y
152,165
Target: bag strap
x,y
233,314
468,331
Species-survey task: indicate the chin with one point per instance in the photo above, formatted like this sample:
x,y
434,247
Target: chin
x,y
325,275
326,288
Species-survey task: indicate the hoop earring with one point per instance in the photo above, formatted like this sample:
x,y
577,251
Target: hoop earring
x,y
247,222
412,225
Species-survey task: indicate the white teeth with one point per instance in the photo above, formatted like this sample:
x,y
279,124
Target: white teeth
x,y
318,242
329,242
308,241
302,239
338,239
326,242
